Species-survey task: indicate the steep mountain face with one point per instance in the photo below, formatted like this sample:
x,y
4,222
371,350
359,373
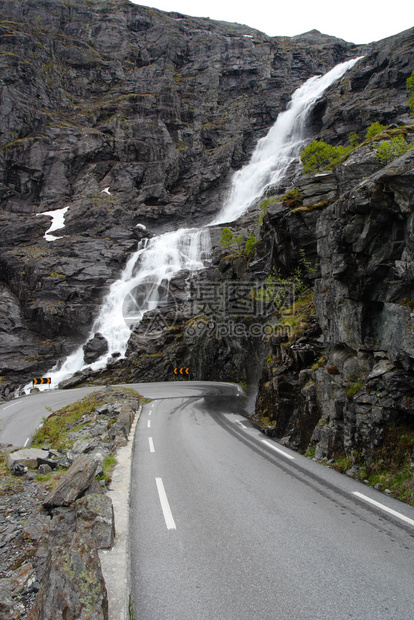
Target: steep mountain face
x,y
159,108
130,116
339,383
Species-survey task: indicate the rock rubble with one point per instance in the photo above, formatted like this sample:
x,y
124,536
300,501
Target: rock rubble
x,y
49,563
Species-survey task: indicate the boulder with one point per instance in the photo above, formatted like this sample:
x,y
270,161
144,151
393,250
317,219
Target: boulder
x,y
95,348
28,457
73,585
19,470
95,518
74,483
44,469
83,446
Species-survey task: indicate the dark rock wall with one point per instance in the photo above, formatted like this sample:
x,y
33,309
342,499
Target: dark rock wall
x,y
364,302
344,384
158,107
372,91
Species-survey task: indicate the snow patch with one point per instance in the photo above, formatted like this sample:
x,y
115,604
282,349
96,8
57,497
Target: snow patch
x,y
58,221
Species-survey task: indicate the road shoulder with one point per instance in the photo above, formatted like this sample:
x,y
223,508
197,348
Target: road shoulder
x,y
115,562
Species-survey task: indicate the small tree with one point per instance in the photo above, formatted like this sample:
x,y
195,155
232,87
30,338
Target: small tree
x,y
353,139
250,245
227,237
319,156
387,150
410,88
373,130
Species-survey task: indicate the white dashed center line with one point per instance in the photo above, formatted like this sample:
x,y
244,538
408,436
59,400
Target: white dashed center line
x,y
151,444
8,406
169,520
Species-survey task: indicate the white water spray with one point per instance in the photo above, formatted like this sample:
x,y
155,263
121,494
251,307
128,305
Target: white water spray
x,y
166,255
147,273
276,151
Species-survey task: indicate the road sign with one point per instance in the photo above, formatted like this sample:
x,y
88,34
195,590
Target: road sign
x,y
182,371
42,381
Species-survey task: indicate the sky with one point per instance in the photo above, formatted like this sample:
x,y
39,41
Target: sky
x,y
356,21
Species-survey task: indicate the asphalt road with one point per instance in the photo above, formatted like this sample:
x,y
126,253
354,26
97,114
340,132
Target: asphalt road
x,y
227,524
20,418
227,527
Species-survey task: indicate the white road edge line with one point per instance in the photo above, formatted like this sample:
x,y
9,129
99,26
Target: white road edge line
x,y
26,442
271,445
383,507
149,424
151,444
169,520
241,424
8,406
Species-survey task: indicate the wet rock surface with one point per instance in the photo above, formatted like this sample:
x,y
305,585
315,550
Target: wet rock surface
x,y
342,387
94,348
128,116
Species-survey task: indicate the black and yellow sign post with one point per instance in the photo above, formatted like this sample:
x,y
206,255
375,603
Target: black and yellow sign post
x,y
184,372
42,381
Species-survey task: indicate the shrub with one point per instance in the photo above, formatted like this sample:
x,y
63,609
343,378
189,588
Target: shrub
x,y
292,199
387,150
353,139
373,130
250,245
410,88
227,237
319,156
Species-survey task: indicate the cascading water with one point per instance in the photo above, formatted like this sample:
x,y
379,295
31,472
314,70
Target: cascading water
x,y
276,151
150,269
147,275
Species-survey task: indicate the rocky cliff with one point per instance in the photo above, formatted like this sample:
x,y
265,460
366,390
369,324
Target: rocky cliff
x,y
159,108
129,116
340,385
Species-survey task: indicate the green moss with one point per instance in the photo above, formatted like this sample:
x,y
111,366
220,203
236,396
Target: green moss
x,y
108,465
56,427
131,609
407,302
389,465
353,388
316,205
310,452
292,199
410,88
296,317
320,363
52,476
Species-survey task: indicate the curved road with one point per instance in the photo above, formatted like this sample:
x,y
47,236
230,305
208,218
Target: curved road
x,y
229,525
19,418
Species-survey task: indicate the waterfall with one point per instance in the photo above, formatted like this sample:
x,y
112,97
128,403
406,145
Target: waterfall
x,y
143,285
276,151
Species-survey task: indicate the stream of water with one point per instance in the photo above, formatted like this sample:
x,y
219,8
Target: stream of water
x,y
144,282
